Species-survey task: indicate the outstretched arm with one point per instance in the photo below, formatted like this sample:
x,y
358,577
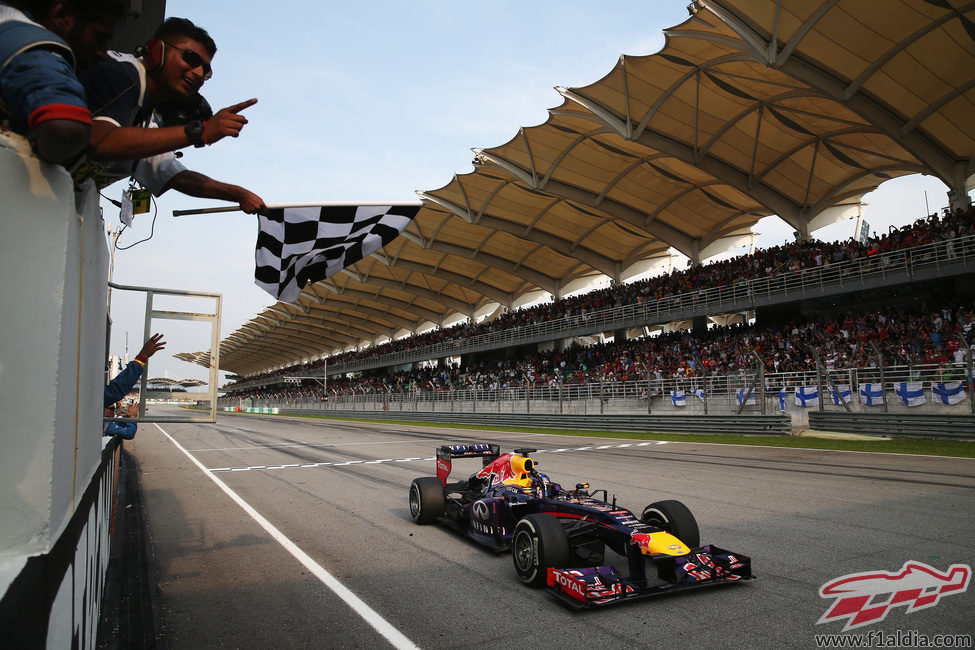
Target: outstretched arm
x,y
120,386
112,142
197,184
109,141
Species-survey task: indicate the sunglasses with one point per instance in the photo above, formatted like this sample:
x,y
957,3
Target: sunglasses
x,y
194,60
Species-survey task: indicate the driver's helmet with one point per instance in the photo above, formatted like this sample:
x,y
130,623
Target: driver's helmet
x,y
543,485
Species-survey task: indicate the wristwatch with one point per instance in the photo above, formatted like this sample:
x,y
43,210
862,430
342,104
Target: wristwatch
x,y
194,131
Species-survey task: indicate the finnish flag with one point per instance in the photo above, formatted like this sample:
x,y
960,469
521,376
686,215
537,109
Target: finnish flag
x,y
745,396
910,393
807,396
872,394
949,392
841,394
782,400
678,398
699,392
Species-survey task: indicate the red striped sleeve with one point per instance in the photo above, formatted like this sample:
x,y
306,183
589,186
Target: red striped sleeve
x,y
59,112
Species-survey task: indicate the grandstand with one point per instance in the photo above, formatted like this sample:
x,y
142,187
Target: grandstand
x,y
161,389
746,112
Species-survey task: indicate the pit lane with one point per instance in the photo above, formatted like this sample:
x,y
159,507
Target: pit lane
x,y
338,492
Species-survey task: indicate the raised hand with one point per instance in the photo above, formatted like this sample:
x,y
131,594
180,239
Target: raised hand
x,y
226,122
152,345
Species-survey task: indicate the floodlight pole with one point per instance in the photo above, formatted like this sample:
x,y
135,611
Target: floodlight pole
x,y
969,376
704,372
880,364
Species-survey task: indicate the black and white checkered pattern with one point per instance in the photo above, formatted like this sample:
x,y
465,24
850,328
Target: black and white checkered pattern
x,y
308,244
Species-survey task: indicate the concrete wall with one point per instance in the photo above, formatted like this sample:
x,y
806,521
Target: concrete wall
x,y
53,272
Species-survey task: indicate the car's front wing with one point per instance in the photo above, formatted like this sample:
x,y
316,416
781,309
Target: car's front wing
x,y
596,587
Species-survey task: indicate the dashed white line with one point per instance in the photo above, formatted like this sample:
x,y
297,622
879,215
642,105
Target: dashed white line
x,y
285,445
428,458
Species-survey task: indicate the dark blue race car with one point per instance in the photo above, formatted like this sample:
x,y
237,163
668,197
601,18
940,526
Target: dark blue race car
x,y
558,537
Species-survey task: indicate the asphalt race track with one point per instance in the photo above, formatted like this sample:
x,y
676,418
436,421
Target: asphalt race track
x,y
338,563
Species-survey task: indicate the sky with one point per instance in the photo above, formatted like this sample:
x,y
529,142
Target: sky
x,y
373,101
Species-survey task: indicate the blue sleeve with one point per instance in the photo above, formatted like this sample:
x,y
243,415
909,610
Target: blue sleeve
x,y
40,84
122,384
126,430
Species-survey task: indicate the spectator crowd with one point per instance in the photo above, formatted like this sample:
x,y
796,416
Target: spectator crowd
x,y
929,335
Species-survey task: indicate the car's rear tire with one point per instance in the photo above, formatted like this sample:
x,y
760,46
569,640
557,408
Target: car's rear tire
x,y
427,501
539,543
675,518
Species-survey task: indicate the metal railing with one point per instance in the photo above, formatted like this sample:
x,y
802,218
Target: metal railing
x,y
850,274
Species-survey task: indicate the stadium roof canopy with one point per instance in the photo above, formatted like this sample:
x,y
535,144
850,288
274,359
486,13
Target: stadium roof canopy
x,y
795,108
162,381
166,381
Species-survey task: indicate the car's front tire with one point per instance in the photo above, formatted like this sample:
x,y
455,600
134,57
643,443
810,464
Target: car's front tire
x,y
539,543
427,501
675,518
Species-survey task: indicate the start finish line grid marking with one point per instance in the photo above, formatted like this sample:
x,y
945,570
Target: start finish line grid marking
x,y
427,458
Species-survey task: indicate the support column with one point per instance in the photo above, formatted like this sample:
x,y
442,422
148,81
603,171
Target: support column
x,y
958,198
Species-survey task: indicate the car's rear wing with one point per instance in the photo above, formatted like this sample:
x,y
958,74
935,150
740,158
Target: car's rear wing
x,y
446,454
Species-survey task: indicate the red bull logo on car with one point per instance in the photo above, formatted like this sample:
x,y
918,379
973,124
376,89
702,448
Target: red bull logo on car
x,y
499,470
866,598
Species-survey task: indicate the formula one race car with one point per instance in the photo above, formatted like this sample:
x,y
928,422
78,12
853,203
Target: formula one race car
x,y
558,537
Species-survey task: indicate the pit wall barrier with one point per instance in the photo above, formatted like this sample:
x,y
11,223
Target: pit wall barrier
x,y
703,424
53,471
915,425
55,601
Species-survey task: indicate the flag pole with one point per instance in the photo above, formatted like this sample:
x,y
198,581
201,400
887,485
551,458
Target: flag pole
x,y
323,204
229,208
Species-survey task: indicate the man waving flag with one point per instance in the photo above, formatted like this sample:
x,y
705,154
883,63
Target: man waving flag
x,y
296,245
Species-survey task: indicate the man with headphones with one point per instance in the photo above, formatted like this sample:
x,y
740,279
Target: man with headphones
x,y
41,42
126,137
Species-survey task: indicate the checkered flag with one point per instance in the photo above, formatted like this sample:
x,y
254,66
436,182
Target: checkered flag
x,y
308,244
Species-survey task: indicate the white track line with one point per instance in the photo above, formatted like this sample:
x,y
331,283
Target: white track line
x,y
396,638
406,460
